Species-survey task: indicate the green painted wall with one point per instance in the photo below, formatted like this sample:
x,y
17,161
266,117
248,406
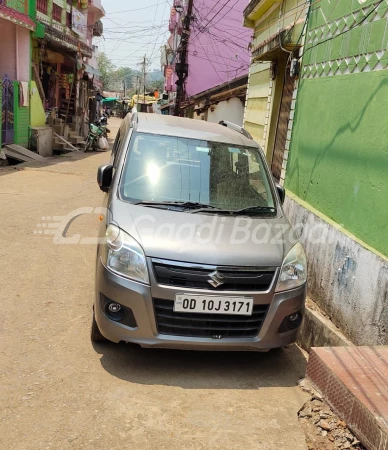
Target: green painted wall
x,y
32,8
19,5
338,158
21,120
38,116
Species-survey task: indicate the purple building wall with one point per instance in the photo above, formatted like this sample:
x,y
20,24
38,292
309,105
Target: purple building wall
x,y
218,46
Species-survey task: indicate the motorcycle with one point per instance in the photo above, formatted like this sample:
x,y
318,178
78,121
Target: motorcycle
x,y
97,131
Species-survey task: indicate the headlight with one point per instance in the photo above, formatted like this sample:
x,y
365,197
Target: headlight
x,y
124,255
294,269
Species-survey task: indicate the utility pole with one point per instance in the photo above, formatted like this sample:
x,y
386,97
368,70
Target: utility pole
x,y
125,87
181,68
144,64
137,88
144,76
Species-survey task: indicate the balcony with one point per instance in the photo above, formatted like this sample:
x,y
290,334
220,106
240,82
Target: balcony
x,y
257,10
42,6
96,9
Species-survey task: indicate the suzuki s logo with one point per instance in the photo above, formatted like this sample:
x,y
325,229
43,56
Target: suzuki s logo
x,y
216,279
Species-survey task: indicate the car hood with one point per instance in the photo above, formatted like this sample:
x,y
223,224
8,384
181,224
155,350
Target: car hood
x,y
204,238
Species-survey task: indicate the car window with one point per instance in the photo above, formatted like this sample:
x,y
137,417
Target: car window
x,y
116,143
166,168
115,148
121,145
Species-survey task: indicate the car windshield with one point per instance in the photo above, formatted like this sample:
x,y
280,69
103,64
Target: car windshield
x,y
170,169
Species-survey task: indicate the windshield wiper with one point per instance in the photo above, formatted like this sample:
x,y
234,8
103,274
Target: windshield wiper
x,y
203,207
189,205
254,209
250,209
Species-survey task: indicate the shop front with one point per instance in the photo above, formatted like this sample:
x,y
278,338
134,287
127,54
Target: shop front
x,y
58,59
15,29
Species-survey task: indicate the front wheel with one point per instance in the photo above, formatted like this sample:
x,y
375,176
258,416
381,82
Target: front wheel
x,y
95,333
89,144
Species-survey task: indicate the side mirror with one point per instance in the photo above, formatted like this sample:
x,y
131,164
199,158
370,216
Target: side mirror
x,y
281,192
104,177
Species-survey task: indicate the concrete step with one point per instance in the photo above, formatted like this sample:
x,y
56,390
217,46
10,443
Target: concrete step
x,y
353,381
59,129
60,145
76,140
21,154
66,131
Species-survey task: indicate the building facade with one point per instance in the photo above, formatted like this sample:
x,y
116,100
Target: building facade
x,y
63,54
49,62
16,29
223,102
217,50
278,27
95,29
336,166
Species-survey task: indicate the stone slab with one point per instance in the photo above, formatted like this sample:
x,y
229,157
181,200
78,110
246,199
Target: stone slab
x,y
354,381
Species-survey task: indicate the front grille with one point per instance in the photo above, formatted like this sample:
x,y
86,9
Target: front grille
x,y
207,325
243,279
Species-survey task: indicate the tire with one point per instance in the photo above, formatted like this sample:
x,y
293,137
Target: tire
x,y
95,333
89,143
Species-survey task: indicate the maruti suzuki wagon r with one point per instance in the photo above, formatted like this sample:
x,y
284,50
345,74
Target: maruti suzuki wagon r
x,y
195,251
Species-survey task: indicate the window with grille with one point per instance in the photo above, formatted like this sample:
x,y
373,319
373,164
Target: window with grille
x,y
57,13
42,6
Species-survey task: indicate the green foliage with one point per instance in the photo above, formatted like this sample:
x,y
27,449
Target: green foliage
x,y
113,78
106,68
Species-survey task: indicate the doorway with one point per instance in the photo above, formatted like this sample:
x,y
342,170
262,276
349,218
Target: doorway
x,y
7,109
282,125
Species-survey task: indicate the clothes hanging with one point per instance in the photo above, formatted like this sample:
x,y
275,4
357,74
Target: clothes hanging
x,y
24,88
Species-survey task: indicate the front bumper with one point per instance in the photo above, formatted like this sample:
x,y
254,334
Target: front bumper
x,y
139,298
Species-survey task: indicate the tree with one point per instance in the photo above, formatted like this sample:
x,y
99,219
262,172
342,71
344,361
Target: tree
x,y
157,85
123,74
106,69
113,78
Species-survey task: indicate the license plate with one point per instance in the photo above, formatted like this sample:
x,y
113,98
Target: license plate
x,y
205,304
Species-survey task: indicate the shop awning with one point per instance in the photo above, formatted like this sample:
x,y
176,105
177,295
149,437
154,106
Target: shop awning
x,y
269,49
16,17
65,41
91,70
97,83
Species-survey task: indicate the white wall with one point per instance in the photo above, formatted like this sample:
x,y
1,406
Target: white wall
x,y
24,54
8,49
14,59
231,110
348,281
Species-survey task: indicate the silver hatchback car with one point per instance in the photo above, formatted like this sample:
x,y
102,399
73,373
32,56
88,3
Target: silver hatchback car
x,y
195,251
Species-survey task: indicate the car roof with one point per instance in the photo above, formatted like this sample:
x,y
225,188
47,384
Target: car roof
x,y
190,129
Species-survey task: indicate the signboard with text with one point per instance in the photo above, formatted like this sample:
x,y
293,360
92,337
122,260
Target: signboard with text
x,y
79,22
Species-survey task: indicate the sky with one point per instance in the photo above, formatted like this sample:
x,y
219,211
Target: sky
x,y
133,29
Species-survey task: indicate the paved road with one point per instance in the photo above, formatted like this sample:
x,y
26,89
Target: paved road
x,y
58,391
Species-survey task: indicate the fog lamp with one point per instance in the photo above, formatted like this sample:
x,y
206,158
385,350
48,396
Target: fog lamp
x,y
114,307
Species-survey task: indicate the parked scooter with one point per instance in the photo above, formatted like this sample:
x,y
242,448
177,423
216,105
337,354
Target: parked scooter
x,y
97,132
